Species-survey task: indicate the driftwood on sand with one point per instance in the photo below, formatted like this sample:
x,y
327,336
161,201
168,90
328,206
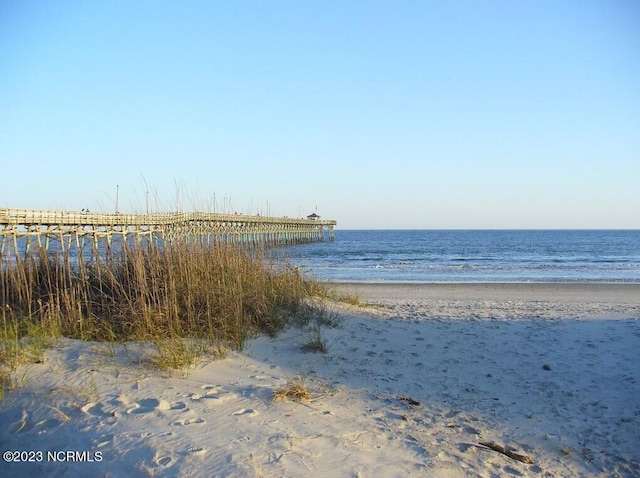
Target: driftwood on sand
x,y
508,451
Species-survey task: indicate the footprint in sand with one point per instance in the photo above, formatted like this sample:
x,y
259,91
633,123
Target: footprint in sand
x,y
178,406
164,461
221,397
213,395
198,396
208,391
117,404
247,412
211,388
147,405
93,408
195,450
190,421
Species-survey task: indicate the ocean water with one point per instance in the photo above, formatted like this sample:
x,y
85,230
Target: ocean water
x,y
425,256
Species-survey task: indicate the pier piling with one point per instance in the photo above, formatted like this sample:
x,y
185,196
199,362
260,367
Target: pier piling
x,y
88,229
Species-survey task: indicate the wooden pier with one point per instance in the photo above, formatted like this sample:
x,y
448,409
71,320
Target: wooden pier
x,y
23,229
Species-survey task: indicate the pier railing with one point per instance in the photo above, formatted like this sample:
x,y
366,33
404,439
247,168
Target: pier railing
x,y
21,229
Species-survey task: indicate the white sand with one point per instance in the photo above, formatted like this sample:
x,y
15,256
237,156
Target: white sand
x,y
553,371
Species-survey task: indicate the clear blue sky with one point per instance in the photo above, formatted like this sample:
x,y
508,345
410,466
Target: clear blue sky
x,y
382,114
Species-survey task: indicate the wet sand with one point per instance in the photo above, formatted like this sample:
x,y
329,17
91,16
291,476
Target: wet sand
x,y
560,292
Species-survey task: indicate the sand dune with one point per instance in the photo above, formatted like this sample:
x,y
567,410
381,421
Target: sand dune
x,y
412,385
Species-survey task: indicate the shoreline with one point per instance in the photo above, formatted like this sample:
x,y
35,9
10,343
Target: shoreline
x,y
586,292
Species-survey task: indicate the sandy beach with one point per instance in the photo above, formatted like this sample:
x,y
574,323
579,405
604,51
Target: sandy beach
x,y
443,380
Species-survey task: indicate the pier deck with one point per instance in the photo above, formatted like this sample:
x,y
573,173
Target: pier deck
x,y
78,228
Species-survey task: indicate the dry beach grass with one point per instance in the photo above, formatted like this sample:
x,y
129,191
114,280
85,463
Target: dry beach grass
x,y
187,299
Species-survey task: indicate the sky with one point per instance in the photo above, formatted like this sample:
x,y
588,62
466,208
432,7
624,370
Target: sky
x,y
378,114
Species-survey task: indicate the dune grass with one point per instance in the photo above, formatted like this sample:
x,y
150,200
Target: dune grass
x,y
186,298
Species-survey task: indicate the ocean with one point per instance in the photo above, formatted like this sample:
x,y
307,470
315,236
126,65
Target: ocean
x,y
462,256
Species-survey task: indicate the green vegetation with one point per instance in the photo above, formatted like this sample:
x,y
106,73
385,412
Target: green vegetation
x,y
316,342
189,300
